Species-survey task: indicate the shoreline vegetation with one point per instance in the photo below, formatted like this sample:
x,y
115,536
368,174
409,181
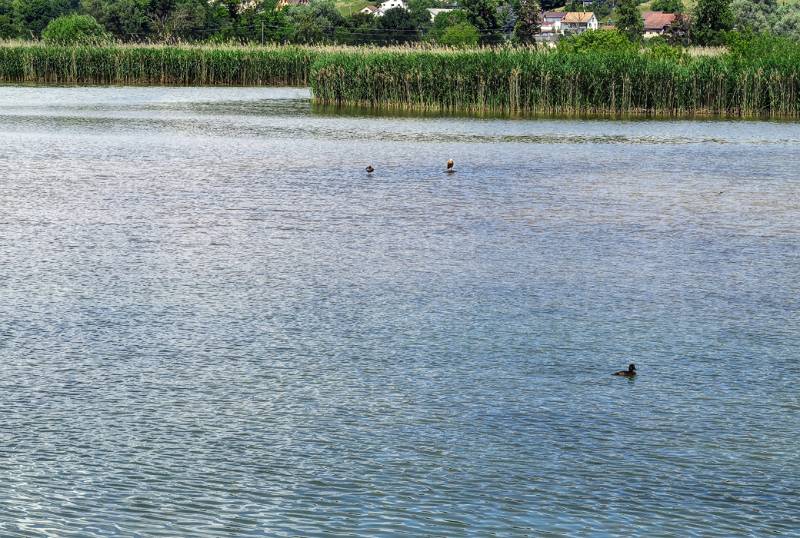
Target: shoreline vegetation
x,y
533,81
748,81
161,65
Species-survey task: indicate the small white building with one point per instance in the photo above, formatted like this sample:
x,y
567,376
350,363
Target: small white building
x,y
369,10
551,22
390,4
577,22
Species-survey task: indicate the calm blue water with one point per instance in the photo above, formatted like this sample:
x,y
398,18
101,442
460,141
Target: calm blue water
x,y
213,323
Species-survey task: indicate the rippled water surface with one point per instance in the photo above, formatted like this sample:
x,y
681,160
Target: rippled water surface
x,y
214,323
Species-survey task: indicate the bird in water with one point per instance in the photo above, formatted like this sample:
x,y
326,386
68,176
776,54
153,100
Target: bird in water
x,y
370,169
450,165
630,372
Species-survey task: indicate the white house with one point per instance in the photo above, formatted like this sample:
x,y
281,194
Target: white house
x,y
551,22
390,4
577,22
369,10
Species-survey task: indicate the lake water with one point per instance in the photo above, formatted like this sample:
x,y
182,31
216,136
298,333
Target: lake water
x,y
213,322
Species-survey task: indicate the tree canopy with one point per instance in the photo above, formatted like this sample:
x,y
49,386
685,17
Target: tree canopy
x,y
711,19
74,30
322,21
667,6
529,21
629,19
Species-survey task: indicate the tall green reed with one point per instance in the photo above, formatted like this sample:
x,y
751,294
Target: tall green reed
x,y
504,80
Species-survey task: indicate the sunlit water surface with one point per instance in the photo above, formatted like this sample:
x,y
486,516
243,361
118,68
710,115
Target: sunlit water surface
x,y
214,323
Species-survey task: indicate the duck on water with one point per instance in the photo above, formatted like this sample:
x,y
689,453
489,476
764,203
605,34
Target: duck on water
x,y
630,372
449,170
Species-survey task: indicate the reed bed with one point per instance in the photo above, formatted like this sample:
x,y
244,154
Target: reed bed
x,y
501,80
156,65
542,82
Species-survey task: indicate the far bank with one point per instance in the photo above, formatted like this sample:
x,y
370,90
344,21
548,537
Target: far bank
x,y
504,80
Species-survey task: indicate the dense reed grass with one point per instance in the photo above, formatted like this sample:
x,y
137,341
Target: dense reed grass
x,y
551,82
156,65
504,80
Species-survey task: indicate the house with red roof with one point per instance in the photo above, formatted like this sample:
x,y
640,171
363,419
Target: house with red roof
x,y
656,22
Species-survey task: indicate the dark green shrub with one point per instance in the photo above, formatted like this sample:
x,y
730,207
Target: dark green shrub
x,y
462,34
596,40
74,30
662,51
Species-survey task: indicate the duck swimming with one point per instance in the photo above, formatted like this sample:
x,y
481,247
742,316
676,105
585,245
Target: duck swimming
x,y
630,372
370,169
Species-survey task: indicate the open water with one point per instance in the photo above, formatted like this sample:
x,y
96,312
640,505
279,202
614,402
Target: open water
x,y
214,323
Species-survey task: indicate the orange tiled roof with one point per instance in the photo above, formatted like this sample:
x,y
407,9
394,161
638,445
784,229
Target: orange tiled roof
x,y
657,20
578,17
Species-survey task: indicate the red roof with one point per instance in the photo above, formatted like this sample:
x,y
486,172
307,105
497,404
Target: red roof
x,y
657,20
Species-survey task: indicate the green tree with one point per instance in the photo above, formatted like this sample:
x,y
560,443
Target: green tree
x,y
462,34
679,32
596,40
788,21
8,27
188,19
232,20
529,21
397,26
263,22
305,26
574,5
358,29
667,6
168,19
420,16
482,15
754,15
127,20
661,51
425,4
445,20
629,20
315,22
602,8
711,19
74,30
33,16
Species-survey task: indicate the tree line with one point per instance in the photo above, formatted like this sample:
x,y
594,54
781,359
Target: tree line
x,y
471,22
